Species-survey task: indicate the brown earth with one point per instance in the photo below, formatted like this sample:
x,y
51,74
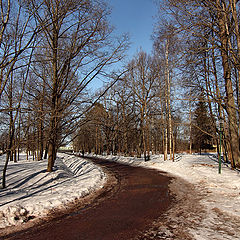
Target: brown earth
x,y
134,204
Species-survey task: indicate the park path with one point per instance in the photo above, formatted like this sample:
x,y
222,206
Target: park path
x,y
132,199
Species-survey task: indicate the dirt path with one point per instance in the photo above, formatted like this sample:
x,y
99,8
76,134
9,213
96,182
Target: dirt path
x,y
133,199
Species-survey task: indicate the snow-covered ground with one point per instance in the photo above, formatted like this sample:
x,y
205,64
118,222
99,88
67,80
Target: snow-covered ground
x,y
219,193
32,192
212,213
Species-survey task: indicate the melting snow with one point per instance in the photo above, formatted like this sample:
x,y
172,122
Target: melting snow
x,y
31,191
220,193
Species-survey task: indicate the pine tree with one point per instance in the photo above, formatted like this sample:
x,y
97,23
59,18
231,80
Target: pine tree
x,y
202,126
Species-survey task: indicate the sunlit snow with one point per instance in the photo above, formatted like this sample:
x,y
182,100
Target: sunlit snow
x,y
31,191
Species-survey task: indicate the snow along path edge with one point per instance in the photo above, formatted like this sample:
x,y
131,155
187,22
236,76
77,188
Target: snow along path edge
x,y
72,179
207,202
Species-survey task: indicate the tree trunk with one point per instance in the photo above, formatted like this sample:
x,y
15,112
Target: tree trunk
x,y
235,17
230,102
9,150
5,170
168,101
40,140
190,127
51,156
18,153
15,155
46,151
166,144
10,134
53,136
54,119
163,142
173,147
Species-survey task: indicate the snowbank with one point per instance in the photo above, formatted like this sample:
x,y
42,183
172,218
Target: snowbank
x,y
220,193
32,192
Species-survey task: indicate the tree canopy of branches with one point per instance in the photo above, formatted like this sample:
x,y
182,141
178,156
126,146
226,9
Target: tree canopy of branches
x,y
50,51
167,101
209,33
132,114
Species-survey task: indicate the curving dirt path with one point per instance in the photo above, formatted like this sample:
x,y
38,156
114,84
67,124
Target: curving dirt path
x,y
133,198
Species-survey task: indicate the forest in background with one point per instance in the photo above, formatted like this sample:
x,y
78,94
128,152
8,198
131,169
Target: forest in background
x,y
184,96
169,101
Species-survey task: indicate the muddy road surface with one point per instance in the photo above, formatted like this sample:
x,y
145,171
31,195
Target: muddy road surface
x,y
132,199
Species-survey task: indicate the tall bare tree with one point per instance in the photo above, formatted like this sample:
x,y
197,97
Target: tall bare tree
x,y
142,78
79,46
212,27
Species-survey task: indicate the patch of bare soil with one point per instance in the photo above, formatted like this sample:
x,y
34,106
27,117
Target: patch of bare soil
x,y
185,213
191,217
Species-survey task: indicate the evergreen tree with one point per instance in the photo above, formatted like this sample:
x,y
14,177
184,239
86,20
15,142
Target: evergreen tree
x,y
202,138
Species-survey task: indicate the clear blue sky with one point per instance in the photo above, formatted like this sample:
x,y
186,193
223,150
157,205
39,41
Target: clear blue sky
x,y
135,17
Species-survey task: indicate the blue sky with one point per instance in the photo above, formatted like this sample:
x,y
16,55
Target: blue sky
x,y
135,17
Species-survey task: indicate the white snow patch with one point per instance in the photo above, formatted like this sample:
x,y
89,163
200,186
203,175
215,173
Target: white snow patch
x,y
32,192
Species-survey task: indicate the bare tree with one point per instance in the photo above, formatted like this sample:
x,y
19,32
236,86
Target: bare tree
x,y
142,77
206,28
17,35
79,46
167,49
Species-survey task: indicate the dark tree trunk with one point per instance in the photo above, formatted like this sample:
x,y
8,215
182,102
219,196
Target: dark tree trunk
x,y
51,156
46,152
230,102
5,170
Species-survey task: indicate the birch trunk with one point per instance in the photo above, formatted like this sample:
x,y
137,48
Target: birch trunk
x,y
190,127
168,103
